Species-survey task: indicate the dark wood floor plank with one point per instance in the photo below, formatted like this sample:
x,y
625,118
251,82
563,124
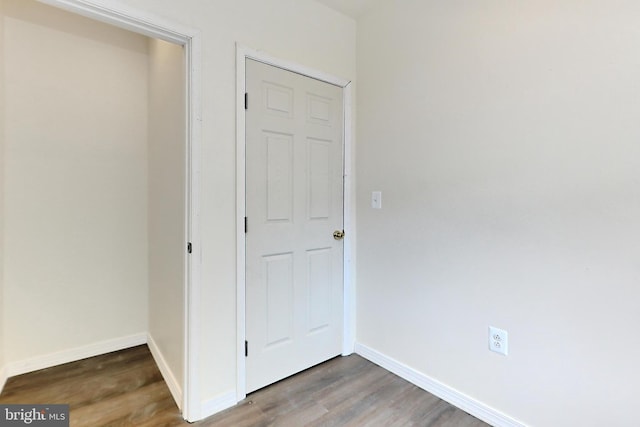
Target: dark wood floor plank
x,y
126,389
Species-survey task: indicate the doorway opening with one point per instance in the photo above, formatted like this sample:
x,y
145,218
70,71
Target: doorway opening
x,y
89,186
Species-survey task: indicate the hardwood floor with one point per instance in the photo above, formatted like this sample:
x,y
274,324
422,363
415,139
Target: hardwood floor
x,y
126,388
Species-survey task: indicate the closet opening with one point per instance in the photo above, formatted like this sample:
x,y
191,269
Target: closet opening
x,y
97,185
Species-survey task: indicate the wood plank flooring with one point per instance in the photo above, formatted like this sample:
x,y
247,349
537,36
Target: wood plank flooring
x,y
126,388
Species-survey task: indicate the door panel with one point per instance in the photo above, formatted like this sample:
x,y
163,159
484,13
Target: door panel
x,y
294,277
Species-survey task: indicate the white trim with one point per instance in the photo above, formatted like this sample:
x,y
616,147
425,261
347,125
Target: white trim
x,y
444,392
242,54
263,57
241,390
217,404
191,397
349,328
124,16
165,370
74,354
3,377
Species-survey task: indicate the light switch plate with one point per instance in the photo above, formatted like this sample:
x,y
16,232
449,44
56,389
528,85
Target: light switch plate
x,y
376,199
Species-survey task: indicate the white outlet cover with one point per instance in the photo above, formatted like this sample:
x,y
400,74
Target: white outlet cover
x,y
498,340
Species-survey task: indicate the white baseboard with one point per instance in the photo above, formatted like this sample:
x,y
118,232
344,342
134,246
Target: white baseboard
x,y
217,404
174,386
74,354
3,377
444,392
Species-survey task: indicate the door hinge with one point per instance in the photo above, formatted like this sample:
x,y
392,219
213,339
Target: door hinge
x,y
246,349
246,227
189,247
246,101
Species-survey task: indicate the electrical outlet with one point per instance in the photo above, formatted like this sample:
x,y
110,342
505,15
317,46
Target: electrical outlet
x,y
498,340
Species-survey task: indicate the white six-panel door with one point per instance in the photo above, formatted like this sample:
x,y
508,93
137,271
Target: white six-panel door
x,y
294,203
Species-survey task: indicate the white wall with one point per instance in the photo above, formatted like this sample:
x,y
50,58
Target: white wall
x,y
75,244
504,137
167,138
2,306
301,31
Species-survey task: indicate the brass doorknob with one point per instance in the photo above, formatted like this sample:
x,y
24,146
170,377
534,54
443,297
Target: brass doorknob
x,y
338,235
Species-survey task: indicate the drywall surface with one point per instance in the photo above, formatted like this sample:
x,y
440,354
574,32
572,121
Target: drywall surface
x,y
504,138
300,31
75,244
2,168
167,145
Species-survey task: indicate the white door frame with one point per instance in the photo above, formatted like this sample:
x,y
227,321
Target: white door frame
x,y
154,26
348,343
